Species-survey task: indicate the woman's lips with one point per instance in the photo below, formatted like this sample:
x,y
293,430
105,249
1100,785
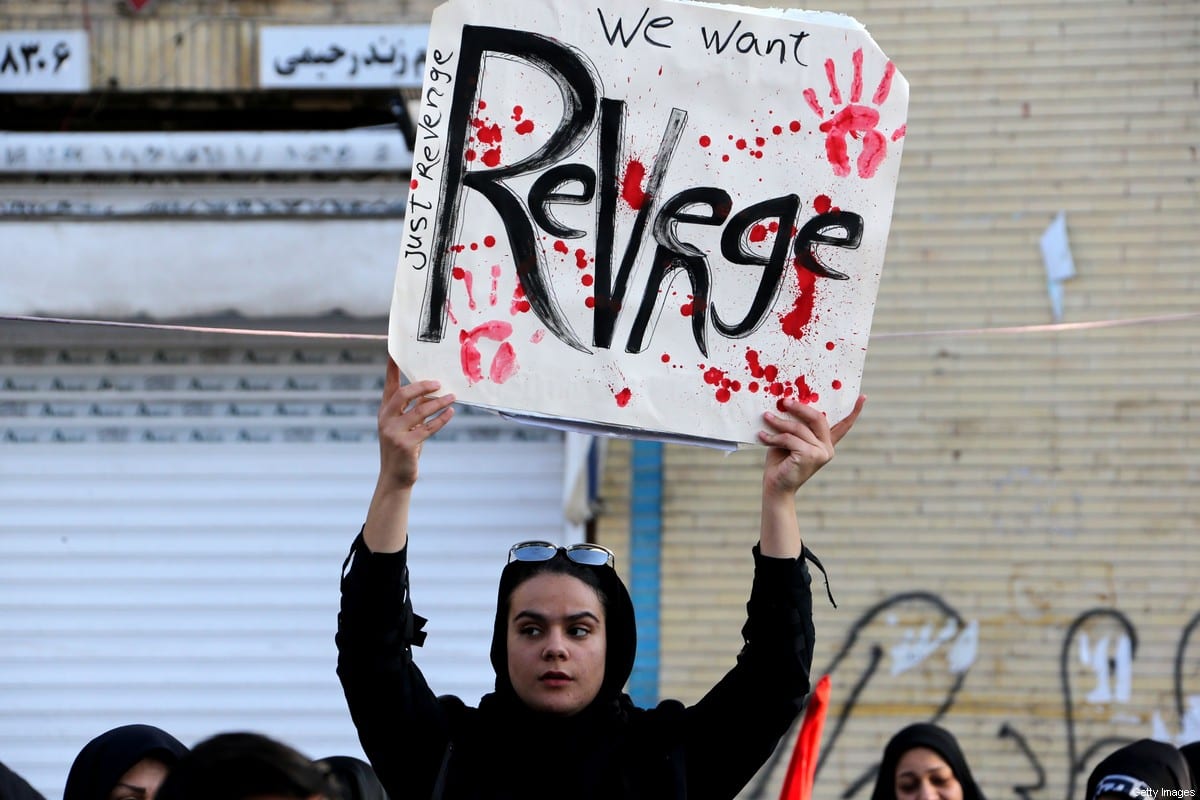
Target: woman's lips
x,y
554,678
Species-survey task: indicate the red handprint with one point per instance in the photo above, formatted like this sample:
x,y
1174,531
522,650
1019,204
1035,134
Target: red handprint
x,y
854,120
504,363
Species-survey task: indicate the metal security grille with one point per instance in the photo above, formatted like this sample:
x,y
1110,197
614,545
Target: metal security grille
x,y
222,395
173,522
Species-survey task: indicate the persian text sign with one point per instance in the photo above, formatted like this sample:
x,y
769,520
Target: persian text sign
x,y
355,56
660,218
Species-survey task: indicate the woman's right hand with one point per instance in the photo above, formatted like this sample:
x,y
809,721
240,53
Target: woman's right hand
x,y
408,415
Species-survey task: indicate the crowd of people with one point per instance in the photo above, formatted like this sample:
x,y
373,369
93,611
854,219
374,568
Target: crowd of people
x,y
558,723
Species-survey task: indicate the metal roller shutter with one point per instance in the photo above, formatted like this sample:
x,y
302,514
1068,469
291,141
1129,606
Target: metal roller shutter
x,y
173,526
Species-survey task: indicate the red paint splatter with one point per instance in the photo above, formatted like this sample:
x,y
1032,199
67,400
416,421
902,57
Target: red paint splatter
x,y
458,273
581,259
631,186
561,247
482,105
899,133
457,248
778,129
725,157
835,94
753,387
806,394
836,384
829,345
525,127
723,395
685,310
822,204
758,233
517,112
770,372
714,376
666,358
704,142
492,297
471,156
752,361
413,184
489,241
810,97
490,134
519,304
796,320
492,157
586,280
794,126
623,397
589,301
474,245
760,141
741,144
538,335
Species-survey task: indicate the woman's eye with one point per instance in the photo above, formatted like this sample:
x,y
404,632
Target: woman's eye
x,y
530,630
578,631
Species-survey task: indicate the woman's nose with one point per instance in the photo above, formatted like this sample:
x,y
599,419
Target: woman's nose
x,y
927,791
554,646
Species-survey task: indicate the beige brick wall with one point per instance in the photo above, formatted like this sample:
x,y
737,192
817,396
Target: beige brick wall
x,y
1015,482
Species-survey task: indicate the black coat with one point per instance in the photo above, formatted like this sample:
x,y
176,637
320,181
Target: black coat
x,y
424,747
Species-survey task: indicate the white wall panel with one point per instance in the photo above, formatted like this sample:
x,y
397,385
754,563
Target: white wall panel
x,y
194,585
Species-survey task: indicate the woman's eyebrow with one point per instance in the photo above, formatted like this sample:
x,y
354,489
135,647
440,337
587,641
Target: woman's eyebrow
x,y
539,617
140,791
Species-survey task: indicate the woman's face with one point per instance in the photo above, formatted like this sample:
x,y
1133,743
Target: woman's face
x,y
556,643
140,782
922,774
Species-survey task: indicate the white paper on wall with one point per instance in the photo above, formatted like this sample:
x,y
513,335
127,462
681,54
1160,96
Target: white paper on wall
x,y
649,218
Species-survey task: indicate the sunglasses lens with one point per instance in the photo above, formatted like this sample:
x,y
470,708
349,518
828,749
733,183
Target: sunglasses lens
x,y
535,551
591,556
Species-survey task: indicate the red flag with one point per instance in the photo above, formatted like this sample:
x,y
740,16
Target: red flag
x,y
802,770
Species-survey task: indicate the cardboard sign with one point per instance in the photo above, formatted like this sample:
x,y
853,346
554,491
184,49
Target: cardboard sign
x,y
647,218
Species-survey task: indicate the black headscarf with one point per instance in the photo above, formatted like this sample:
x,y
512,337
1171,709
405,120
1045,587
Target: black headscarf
x,y
1145,764
14,787
1191,754
103,760
354,777
935,738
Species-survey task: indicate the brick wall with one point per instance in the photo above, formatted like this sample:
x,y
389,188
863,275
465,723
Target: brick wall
x,y
1010,528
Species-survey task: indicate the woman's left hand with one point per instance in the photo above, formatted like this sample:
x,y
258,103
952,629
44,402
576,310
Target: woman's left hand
x,y
800,443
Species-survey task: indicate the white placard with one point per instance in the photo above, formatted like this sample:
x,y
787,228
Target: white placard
x,y
657,219
364,56
44,61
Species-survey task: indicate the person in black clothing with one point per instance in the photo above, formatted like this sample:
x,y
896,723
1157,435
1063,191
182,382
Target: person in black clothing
x,y
558,724
922,761
242,765
1140,770
126,763
14,787
354,777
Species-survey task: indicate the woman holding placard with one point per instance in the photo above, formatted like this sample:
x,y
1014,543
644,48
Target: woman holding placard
x,y
563,646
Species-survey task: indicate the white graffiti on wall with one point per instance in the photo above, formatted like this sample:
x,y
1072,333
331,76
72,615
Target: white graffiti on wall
x,y
917,646
1113,670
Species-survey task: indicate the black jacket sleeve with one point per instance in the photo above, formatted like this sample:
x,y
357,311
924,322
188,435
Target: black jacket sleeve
x,y
402,727
734,728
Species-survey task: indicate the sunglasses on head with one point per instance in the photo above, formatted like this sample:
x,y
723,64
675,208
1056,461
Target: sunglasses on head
x,y
592,555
